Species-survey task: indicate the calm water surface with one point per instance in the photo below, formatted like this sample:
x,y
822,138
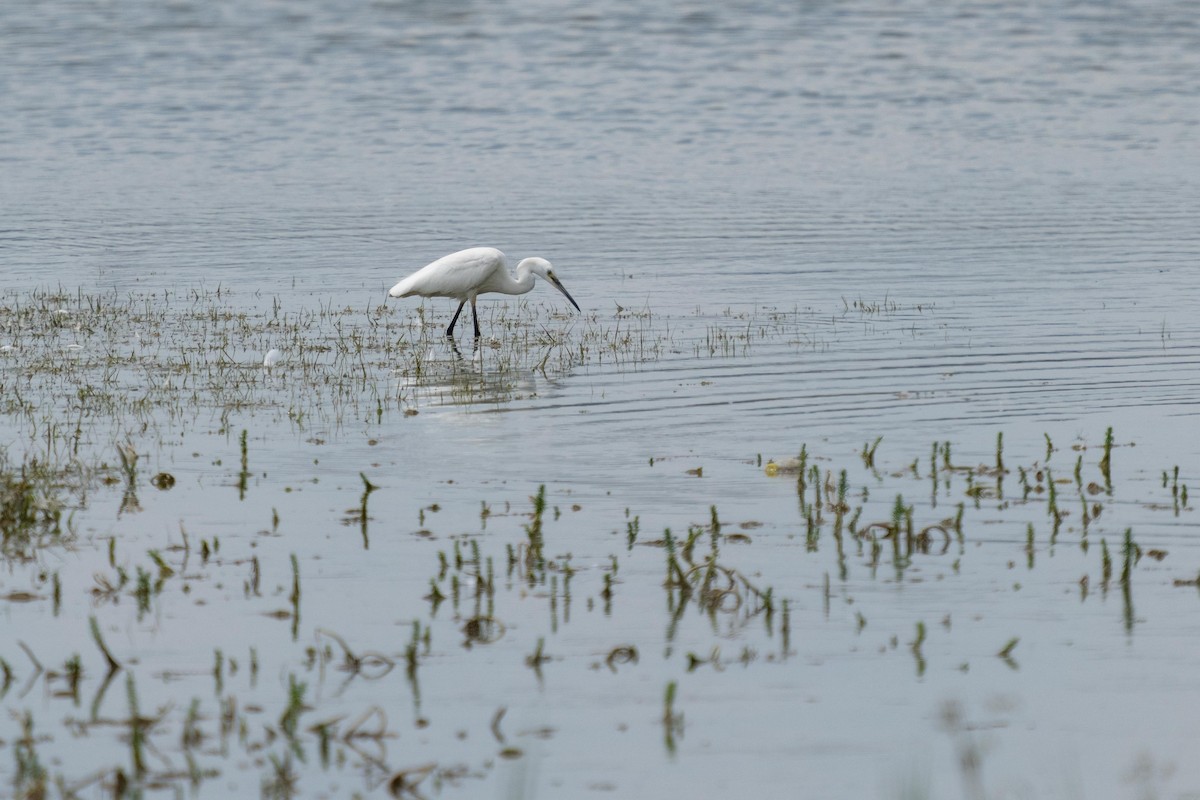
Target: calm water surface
x,y
830,221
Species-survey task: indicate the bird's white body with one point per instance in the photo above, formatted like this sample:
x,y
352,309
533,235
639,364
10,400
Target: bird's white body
x,y
463,275
469,273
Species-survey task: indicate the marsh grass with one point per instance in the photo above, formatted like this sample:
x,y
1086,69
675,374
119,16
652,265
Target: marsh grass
x,y
90,371
34,499
747,615
94,385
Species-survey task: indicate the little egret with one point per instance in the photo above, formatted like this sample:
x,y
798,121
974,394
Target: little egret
x,y
469,273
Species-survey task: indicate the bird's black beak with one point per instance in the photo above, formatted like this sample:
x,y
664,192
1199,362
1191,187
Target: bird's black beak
x,y
566,294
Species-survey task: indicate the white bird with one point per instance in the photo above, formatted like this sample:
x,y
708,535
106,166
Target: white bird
x,y
469,273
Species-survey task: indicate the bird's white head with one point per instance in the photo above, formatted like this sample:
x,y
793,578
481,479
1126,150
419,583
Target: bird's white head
x,y
543,269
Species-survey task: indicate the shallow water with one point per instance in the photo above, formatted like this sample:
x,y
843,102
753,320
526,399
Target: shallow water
x,y
788,226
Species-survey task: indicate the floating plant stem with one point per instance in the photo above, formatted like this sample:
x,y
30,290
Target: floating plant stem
x,y
218,671
785,630
853,524
295,597
816,482
916,648
1175,489
191,736
295,707
435,596
1085,514
411,652
1127,606
1052,502
868,452
368,487
535,561
165,570
244,475
1106,460
1106,566
136,734
538,657
1131,553
30,777
801,468
143,591
671,719
1079,471
251,587
73,672
675,574
898,515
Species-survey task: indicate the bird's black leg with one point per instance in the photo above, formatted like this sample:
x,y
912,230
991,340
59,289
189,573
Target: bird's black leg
x,y
475,317
453,322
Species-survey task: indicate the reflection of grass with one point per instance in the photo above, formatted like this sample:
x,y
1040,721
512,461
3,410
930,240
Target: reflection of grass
x,y
32,503
30,777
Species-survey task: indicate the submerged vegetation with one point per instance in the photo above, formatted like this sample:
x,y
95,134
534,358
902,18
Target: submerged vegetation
x,y
89,371
381,641
34,498
729,598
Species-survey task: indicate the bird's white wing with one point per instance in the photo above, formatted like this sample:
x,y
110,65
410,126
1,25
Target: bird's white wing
x,y
455,275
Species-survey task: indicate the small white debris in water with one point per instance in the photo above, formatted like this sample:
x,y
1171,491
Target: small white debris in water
x,y
788,466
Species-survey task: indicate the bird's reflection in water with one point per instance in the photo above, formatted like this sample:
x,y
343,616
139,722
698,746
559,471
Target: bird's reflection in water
x,y
484,376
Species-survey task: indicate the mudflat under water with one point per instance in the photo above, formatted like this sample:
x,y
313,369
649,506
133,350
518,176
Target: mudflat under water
x,y
789,226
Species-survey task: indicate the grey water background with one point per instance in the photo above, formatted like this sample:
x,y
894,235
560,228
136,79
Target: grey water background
x,y
1029,172
1014,185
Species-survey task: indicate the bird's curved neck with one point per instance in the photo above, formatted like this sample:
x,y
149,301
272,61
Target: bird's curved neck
x,y
518,283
